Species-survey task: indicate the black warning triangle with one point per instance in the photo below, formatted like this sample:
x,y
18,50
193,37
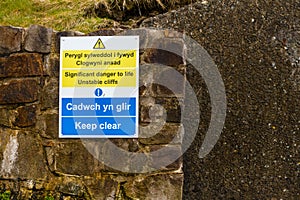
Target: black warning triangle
x,y
99,44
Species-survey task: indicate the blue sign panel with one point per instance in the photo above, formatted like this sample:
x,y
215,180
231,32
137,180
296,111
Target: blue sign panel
x,y
91,126
98,106
98,116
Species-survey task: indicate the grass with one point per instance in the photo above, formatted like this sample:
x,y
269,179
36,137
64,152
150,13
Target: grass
x,y
57,14
77,15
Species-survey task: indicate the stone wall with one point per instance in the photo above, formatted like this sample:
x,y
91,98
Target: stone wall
x,y
36,164
255,45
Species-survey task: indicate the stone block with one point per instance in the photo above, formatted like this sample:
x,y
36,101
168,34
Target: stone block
x,y
159,186
126,144
146,73
25,116
150,111
165,51
49,97
47,124
21,65
105,32
74,159
156,133
145,158
38,39
162,81
169,81
51,128
31,162
22,155
115,155
19,91
8,151
51,67
160,109
166,157
103,187
173,107
144,36
10,39
72,189
7,117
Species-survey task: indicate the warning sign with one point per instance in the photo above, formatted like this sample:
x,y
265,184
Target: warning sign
x,y
99,44
99,87
99,58
99,78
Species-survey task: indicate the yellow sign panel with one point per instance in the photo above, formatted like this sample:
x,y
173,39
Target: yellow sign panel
x,y
99,59
99,78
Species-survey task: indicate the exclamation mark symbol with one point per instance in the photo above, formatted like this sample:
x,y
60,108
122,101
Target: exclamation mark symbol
x,y
98,92
99,44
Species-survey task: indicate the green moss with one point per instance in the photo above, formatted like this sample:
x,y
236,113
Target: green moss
x,y
49,197
5,195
